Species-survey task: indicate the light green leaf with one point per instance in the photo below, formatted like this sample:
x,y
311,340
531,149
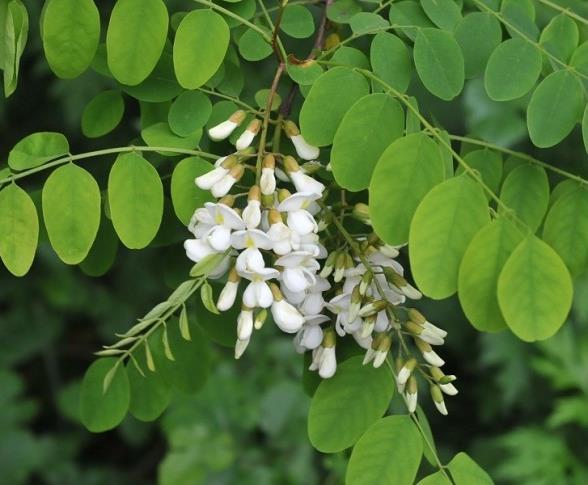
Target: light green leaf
x,y
135,195
136,35
366,22
331,95
526,191
479,271
442,227
466,471
189,112
208,298
534,290
512,70
488,164
344,406
350,56
71,210
367,129
161,85
406,171
410,14
99,410
439,62
566,229
390,60
390,451
71,32
15,35
200,46
445,14
19,230
478,34
37,149
341,11
103,114
262,97
150,393
520,16
554,109
436,478
160,135
304,74
297,22
253,47
560,37
185,194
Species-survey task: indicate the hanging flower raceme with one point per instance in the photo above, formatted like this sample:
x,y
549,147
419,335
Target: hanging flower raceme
x,y
281,243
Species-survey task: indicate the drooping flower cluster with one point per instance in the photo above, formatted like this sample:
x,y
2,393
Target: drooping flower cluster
x,y
276,262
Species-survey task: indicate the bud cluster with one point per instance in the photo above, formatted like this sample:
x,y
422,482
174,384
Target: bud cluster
x,y
270,239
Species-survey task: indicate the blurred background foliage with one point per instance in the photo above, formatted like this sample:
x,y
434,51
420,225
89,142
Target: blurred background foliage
x,y
522,412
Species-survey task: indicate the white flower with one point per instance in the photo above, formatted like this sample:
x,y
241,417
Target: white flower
x,y
206,181
327,365
304,149
340,306
301,181
228,294
313,301
287,318
299,270
310,335
250,239
252,212
267,181
197,249
200,222
240,347
411,395
258,293
225,220
249,260
224,185
449,389
284,239
245,323
300,219
405,372
223,130
248,135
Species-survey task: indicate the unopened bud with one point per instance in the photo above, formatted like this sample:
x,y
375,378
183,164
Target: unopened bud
x,y
329,338
260,319
283,194
227,200
290,164
361,212
329,265
254,193
365,282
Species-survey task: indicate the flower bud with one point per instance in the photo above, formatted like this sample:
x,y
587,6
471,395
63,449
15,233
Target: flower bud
x,y
223,130
444,382
437,397
361,212
373,308
406,371
248,135
301,181
340,266
424,333
240,347
260,319
428,353
304,150
245,323
356,299
252,213
382,350
365,282
329,264
228,294
401,285
268,179
411,394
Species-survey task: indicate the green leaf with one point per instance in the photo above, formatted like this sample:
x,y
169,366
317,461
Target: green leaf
x,y
103,114
436,478
488,164
185,194
160,135
466,471
19,230
520,17
341,11
189,370
262,97
136,34
253,46
304,74
344,406
189,112
297,22
331,95
390,60
37,149
534,290
406,171
439,62
184,324
478,34
480,268
71,210
554,109
208,298
512,70
350,56
135,195
200,46
526,192
366,130
408,13
161,85
585,128
71,32
566,229
390,451
103,252
150,393
366,22
445,14
560,37
442,227
99,410
15,35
